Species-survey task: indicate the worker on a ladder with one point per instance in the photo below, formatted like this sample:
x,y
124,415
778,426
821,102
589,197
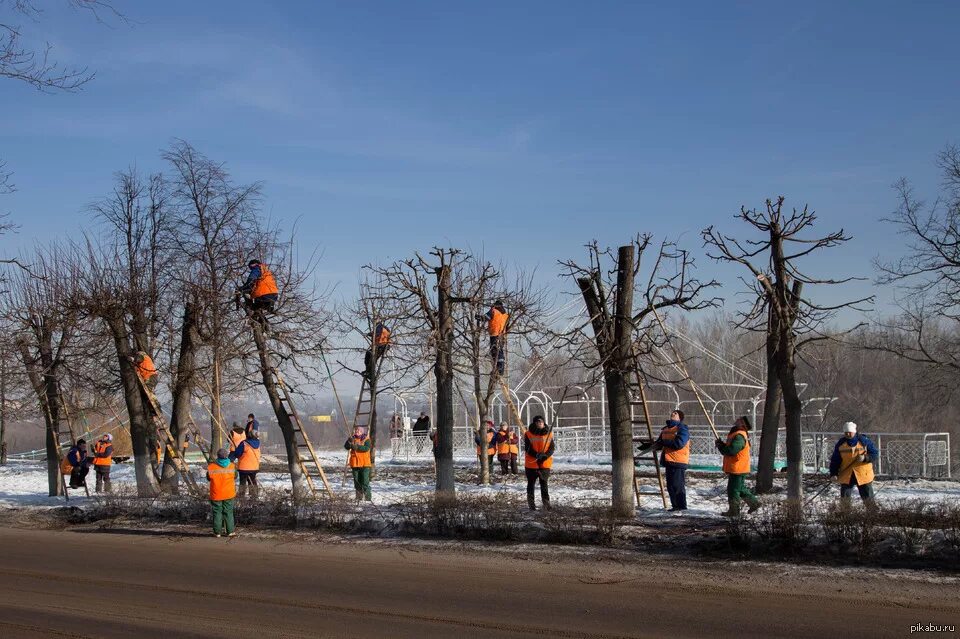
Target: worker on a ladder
x,y
381,342
76,464
496,319
260,286
146,369
102,460
359,446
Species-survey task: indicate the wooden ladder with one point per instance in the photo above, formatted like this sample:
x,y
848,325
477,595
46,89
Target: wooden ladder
x,y
514,411
60,454
198,439
639,399
306,455
169,441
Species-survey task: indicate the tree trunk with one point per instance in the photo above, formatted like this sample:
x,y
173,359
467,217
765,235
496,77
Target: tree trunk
x,y
142,428
297,479
771,411
443,372
182,392
216,405
43,378
793,408
3,407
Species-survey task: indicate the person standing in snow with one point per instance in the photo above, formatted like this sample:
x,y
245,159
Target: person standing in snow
x,y
102,460
360,463
538,448
851,464
247,456
674,442
76,464
222,476
736,464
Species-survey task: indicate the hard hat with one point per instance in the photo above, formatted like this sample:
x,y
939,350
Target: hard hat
x,y
849,427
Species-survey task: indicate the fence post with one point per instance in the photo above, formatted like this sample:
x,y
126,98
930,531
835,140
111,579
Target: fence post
x,y
880,454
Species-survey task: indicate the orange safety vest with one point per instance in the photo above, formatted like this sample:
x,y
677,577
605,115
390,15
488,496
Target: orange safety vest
x,y
507,443
498,322
538,444
146,368
159,451
738,464
384,337
674,455
265,285
490,448
863,472
250,459
65,466
222,481
98,449
360,459
236,438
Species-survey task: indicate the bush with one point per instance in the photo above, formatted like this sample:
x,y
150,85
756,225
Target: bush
x,y
851,527
466,516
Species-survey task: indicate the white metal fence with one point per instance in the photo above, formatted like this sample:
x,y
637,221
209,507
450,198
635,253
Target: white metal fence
x,y
901,454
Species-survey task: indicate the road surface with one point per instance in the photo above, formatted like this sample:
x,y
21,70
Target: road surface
x,y
129,583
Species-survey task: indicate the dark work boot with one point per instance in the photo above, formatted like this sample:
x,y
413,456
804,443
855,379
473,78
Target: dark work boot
x,y
546,504
531,503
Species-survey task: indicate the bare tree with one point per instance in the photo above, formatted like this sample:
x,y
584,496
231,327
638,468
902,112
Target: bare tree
x,y
927,276
434,319
46,327
125,279
215,223
781,311
609,292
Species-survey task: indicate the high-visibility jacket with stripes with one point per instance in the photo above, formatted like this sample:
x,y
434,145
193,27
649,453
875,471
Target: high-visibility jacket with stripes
x,y
507,443
222,481
102,454
538,444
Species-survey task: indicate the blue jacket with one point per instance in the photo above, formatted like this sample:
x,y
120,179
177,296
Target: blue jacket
x,y
238,453
835,459
75,458
251,279
254,425
678,442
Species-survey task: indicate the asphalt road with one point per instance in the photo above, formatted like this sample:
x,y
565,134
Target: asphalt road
x,y
123,583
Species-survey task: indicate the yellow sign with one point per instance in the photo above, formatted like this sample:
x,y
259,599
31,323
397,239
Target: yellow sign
x,y
321,418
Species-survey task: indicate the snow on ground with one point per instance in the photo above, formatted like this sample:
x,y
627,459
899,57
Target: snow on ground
x,y
24,484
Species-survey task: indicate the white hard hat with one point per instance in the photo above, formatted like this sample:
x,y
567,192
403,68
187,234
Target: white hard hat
x,y
108,437
849,427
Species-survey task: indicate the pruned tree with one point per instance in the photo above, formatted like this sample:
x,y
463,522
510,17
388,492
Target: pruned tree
x,y
780,310
608,284
289,338
432,320
480,283
125,276
927,277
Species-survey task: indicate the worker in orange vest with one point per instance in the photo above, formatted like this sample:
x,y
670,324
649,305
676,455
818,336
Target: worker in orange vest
x,y
157,455
496,319
261,286
381,343
538,448
736,464
359,446
237,435
852,464
487,446
102,460
508,447
222,475
247,456
674,444
146,369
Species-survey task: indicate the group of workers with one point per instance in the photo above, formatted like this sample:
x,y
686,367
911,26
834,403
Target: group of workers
x,y
241,462
851,465
502,444
76,464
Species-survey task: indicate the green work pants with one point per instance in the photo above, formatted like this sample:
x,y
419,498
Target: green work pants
x,y
737,490
361,482
222,516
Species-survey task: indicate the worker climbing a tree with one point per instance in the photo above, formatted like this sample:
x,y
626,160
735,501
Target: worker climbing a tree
x,y
381,343
496,319
359,446
146,369
261,287
736,464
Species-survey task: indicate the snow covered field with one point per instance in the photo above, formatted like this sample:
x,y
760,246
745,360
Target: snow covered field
x,y
24,484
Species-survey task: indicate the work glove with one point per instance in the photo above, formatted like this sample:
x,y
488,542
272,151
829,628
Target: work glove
x,y
645,446
834,479
862,459
541,458
719,444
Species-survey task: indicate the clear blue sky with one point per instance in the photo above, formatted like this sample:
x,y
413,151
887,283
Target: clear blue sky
x,y
523,128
